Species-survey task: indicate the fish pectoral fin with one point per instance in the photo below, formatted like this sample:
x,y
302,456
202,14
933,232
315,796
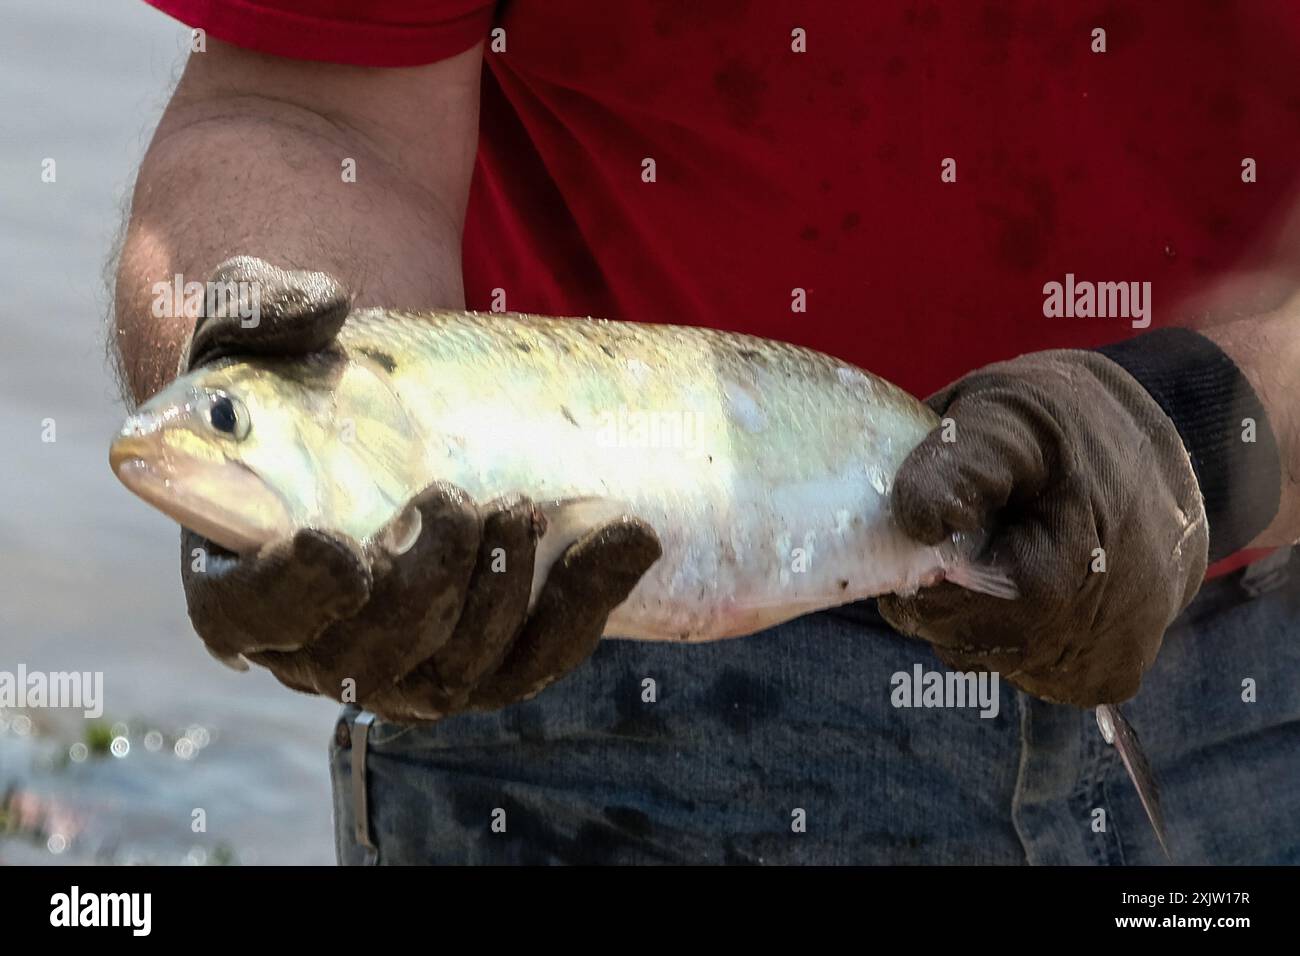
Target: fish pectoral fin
x,y
400,534
567,520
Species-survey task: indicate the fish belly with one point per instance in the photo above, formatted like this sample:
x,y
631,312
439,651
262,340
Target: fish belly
x,y
767,558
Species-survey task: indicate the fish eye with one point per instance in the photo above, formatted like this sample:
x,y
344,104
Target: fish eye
x,y
227,415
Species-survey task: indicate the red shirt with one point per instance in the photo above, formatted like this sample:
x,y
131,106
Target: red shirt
x,y
777,170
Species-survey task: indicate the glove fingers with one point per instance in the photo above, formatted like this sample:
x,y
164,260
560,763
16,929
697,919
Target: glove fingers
x,y
1003,663
291,669
1048,573
1028,641
493,612
498,600
929,613
279,599
958,479
592,577
415,601
1102,528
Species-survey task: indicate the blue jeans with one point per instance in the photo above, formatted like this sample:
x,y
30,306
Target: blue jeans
x,y
784,747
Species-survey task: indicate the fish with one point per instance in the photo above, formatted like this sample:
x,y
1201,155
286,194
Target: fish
x,y
765,468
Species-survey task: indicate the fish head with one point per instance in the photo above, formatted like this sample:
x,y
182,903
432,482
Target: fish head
x,y
245,452
219,451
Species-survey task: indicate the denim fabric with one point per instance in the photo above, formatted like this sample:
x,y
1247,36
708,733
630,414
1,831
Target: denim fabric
x,y
745,733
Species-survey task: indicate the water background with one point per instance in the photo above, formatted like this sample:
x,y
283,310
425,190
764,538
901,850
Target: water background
x,y
89,576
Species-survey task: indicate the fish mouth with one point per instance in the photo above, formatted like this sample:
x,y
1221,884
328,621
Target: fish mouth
x,y
223,501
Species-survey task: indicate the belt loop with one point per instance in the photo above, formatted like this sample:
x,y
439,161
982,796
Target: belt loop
x,y
360,801
1267,574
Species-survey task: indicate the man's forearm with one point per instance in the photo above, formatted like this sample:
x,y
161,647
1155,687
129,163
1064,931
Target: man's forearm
x,y
1267,350
263,178
1253,315
232,171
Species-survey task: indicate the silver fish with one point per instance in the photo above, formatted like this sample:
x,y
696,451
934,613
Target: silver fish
x,y
764,468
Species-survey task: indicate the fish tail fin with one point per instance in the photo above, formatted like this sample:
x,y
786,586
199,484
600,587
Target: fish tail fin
x,y
1118,731
982,579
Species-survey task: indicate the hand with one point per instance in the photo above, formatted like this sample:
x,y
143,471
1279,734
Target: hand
x,y
432,631
429,632
1093,507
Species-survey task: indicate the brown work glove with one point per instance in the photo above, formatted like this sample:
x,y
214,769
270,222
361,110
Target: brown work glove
x,y
1072,466
415,636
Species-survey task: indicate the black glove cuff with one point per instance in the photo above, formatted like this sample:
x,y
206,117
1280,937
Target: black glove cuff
x,y
1207,397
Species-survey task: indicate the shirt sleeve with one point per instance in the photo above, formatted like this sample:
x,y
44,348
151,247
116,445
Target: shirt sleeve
x,y
380,33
